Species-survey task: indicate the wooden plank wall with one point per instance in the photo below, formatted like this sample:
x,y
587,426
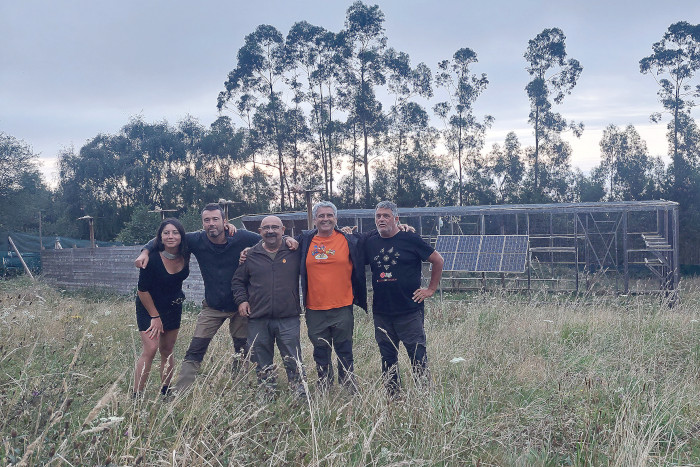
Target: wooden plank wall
x,y
106,268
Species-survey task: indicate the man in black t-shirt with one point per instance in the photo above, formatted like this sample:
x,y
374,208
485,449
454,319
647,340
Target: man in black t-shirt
x,y
395,258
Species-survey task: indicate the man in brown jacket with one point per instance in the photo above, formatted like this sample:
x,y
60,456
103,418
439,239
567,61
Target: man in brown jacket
x,y
266,290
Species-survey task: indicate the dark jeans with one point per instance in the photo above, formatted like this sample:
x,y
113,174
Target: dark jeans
x,y
332,328
389,330
262,335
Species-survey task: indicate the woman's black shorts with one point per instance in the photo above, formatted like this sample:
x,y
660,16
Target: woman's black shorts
x,y
170,318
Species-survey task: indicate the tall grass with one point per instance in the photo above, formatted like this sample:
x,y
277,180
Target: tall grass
x,y
517,380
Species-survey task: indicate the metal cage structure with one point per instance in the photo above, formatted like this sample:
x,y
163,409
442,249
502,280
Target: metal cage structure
x,y
607,247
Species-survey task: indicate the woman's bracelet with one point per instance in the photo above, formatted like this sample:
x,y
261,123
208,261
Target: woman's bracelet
x,y
154,317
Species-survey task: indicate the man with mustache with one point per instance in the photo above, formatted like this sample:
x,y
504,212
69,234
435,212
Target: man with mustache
x,y
266,290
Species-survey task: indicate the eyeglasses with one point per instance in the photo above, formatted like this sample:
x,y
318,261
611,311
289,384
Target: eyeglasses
x,y
270,227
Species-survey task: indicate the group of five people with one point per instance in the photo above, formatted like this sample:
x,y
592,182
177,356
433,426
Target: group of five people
x,y
260,298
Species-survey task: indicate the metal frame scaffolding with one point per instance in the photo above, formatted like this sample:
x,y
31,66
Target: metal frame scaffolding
x,y
612,247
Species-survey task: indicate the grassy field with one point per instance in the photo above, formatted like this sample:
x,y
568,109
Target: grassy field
x,y
518,380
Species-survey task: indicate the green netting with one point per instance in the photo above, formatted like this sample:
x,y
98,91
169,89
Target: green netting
x,y
29,247
28,243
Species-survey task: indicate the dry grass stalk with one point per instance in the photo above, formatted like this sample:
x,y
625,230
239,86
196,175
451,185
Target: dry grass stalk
x,y
111,393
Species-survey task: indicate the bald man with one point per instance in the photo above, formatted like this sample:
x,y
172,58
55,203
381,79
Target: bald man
x,y
266,290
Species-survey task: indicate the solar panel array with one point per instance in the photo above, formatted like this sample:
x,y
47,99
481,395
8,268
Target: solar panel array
x,y
483,253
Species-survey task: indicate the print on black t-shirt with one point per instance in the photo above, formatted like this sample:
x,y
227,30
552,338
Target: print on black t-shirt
x,y
385,260
396,271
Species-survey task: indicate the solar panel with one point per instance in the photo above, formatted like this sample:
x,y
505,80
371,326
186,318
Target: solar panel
x,y
513,262
449,261
447,243
464,262
489,262
469,243
492,244
515,244
483,253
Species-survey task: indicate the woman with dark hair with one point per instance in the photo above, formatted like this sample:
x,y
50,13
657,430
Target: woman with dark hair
x,y
159,303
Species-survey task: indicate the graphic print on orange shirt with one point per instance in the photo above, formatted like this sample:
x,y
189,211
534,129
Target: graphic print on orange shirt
x,y
319,252
329,272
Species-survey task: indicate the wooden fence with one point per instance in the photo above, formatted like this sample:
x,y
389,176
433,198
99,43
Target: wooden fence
x,y
106,269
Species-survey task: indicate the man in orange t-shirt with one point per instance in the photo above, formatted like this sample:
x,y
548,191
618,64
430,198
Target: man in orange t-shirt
x,y
333,279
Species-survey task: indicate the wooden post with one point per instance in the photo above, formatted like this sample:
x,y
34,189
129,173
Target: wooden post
x,y
92,229
576,247
674,236
26,269
625,257
309,216
92,233
41,241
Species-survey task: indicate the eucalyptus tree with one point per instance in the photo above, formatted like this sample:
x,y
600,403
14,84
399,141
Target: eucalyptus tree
x,y
556,176
260,68
626,163
589,188
224,151
244,107
409,134
464,134
409,175
350,186
186,169
507,169
321,56
673,64
553,77
364,27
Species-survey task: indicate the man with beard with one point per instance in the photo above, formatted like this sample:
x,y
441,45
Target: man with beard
x,y
266,289
217,255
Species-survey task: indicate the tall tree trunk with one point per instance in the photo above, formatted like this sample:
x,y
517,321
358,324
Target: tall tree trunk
x,y
318,105
354,163
368,197
459,163
677,165
398,167
280,154
537,147
329,140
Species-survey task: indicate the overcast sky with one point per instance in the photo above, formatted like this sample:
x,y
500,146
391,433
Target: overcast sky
x,y
72,69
